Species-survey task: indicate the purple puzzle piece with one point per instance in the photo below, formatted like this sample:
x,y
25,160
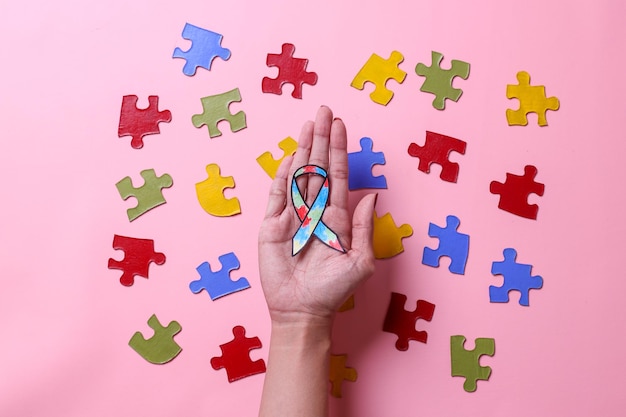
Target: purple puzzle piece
x,y
218,283
205,46
516,277
452,244
360,167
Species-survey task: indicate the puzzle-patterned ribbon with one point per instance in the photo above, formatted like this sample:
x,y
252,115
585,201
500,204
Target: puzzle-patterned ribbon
x,y
311,217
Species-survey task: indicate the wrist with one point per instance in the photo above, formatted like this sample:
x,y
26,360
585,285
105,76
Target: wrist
x,y
302,334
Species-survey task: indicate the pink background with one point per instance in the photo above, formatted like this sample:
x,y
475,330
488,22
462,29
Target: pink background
x,y
66,320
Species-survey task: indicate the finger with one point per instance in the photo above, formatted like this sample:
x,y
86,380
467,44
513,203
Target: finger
x,y
302,154
363,229
338,169
277,200
319,150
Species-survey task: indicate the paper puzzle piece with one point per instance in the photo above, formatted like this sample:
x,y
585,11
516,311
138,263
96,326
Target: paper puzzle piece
x,y
515,191
218,283
388,237
532,99
160,348
236,356
378,71
210,193
516,277
453,244
267,161
205,46
138,123
149,195
217,108
437,149
439,81
290,70
138,254
347,305
360,166
339,372
466,362
402,322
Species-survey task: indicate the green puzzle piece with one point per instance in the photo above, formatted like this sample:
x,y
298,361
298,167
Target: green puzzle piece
x,y
466,362
149,195
439,81
160,348
216,109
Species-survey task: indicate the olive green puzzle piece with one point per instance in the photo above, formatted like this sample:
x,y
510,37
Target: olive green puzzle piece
x,y
149,195
466,362
216,108
439,81
160,348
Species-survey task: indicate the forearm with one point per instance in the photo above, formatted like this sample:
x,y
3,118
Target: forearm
x,y
296,381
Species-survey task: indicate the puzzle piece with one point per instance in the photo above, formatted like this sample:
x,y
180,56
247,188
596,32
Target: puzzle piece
x,y
160,348
439,81
378,71
216,108
516,277
205,46
267,161
360,166
466,362
138,253
210,193
388,237
347,305
290,70
515,191
218,283
532,99
437,149
339,372
149,195
236,356
402,322
452,244
138,123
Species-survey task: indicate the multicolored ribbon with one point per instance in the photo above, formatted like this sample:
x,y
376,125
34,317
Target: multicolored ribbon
x,y
311,217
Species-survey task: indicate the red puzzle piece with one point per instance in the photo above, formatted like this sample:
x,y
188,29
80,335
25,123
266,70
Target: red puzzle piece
x,y
290,70
437,150
402,322
138,253
235,356
141,122
515,191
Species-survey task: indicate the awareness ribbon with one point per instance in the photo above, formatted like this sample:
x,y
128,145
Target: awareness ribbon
x,y
311,217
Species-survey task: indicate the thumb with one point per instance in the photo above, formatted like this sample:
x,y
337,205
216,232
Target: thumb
x,y
363,226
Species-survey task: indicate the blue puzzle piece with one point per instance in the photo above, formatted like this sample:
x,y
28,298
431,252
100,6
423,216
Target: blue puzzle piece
x,y
516,277
452,244
360,167
219,284
205,46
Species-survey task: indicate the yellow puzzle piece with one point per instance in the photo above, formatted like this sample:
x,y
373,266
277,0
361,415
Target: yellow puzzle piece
x,y
267,161
378,71
532,99
340,372
211,193
387,237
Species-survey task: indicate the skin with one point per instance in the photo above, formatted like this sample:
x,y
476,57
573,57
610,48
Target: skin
x,y
303,292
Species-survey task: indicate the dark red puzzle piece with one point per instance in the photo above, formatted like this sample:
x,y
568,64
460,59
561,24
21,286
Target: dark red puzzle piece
x,y
138,253
141,122
437,149
402,322
236,356
515,191
290,70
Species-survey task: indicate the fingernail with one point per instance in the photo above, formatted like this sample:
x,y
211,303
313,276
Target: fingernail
x,y
375,199
337,119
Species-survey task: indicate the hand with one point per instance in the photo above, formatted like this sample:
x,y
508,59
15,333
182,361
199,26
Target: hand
x,y
312,285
